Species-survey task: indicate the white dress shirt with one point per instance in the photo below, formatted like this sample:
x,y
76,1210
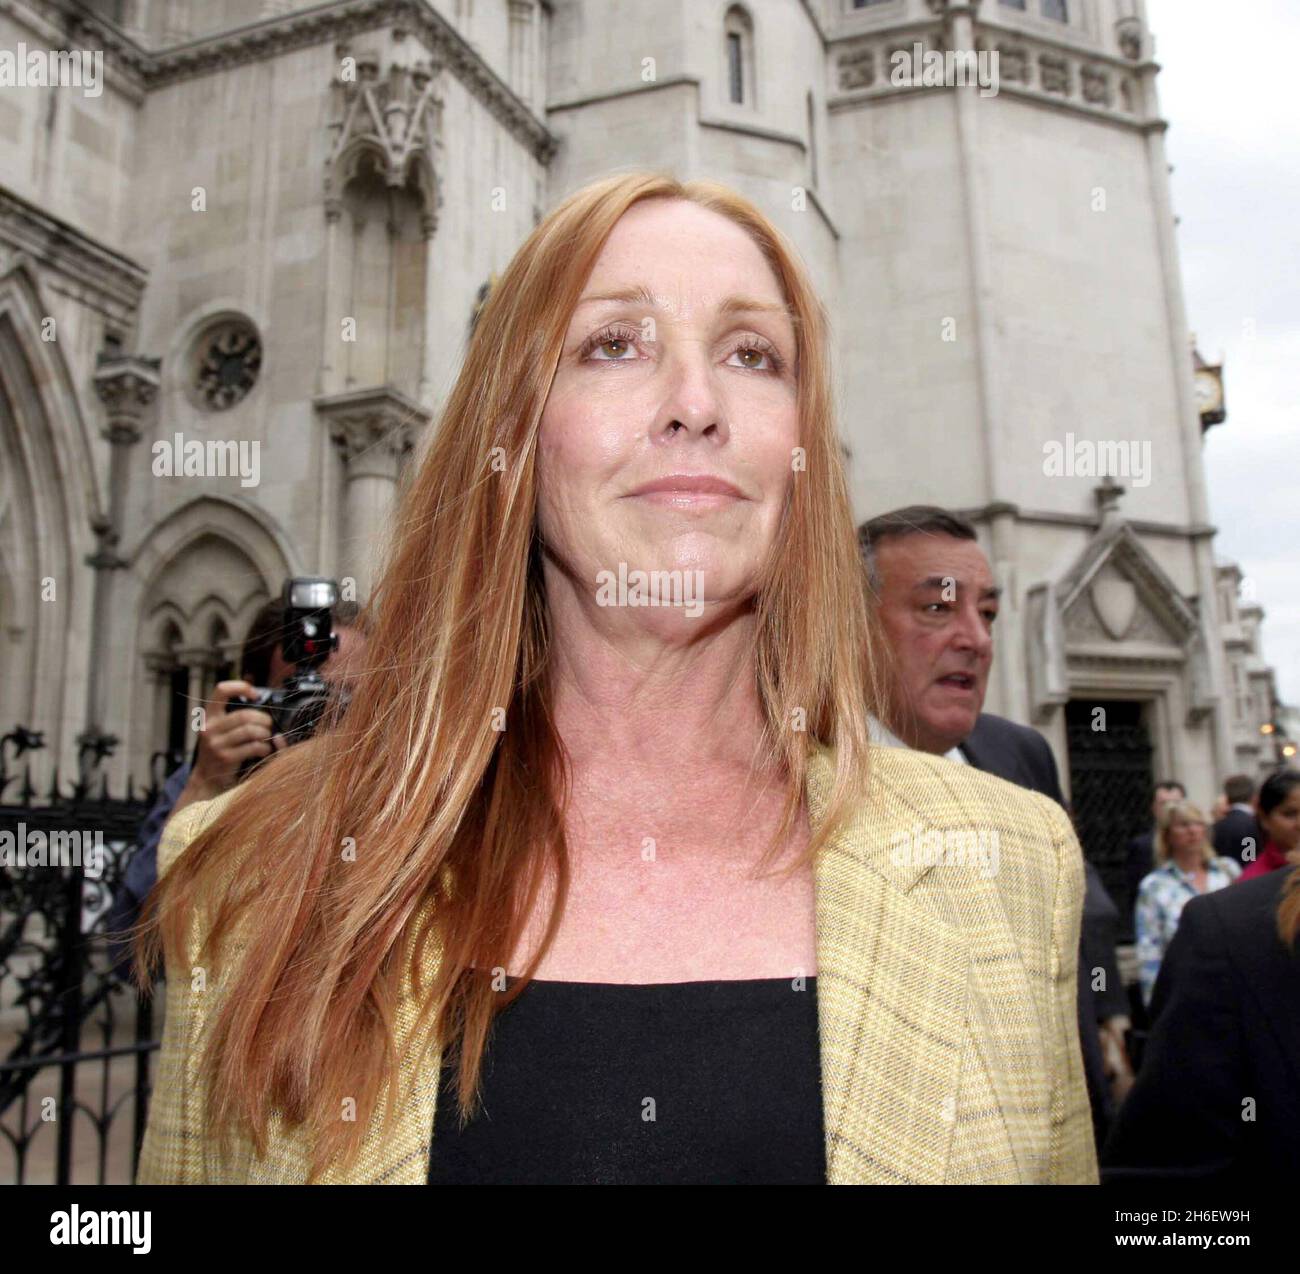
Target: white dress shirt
x,y
887,738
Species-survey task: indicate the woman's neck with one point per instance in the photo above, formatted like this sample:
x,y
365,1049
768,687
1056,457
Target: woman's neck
x,y
1189,860
653,687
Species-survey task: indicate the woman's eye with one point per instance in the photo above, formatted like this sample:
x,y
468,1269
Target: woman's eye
x,y
758,353
621,341
611,345
752,358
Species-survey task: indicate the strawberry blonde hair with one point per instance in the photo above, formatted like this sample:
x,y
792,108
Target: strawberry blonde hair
x,y
415,771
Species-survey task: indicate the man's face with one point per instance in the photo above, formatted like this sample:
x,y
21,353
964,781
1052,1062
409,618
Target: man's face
x,y
343,661
1165,796
937,603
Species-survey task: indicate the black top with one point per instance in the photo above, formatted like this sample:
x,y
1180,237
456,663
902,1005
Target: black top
x,y
676,1082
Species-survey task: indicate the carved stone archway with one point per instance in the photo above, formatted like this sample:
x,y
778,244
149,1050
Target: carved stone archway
x,y
208,566
50,499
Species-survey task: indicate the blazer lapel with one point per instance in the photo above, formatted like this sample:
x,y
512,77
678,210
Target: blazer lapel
x,y
401,1156
892,989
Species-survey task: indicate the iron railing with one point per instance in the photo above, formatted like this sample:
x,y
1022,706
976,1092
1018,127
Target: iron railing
x,y
76,1038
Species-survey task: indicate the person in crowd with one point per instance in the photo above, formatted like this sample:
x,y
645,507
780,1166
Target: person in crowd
x,y
601,846
1188,866
1218,1095
1141,857
1236,833
1278,813
937,603
226,741
1099,965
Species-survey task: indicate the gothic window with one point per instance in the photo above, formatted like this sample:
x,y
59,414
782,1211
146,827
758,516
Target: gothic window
x,y
171,734
381,261
1054,10
202,589
221,665
226,361
521,41
739,32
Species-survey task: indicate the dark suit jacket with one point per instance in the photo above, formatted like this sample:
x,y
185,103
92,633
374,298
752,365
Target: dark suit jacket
x,y
1231,830
1015,753
1226,1011
1141,862
1022,756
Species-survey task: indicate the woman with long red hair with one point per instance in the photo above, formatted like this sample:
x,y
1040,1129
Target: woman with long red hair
x,y
603,811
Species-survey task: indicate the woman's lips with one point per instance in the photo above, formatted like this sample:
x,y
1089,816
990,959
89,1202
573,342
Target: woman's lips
x,y
688,490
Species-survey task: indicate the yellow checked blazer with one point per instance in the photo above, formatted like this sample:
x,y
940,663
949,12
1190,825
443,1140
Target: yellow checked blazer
x,y
946,998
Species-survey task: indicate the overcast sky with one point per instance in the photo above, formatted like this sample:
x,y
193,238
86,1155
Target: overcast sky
x,y
1229,91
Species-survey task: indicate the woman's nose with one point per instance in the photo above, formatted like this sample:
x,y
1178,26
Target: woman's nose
x,y
691,405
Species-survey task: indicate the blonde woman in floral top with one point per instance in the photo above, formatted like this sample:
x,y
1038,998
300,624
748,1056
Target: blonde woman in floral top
x,y
1186,866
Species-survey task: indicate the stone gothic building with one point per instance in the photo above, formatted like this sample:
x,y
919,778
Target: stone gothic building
x,y
273,222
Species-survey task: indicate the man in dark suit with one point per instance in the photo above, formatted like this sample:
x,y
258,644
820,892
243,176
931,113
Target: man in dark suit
x,y
1237,833
1013,752
1218,1098
938,602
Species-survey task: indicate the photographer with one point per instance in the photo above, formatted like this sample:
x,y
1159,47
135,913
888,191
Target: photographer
x,y
227,741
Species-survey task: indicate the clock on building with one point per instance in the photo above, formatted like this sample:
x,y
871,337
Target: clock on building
x,y
1209,391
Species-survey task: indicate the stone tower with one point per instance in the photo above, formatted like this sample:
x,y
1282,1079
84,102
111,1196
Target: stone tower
x,y
1001,270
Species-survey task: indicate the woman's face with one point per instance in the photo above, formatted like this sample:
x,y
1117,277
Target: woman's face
x,y
667,438
1282,823
1184,834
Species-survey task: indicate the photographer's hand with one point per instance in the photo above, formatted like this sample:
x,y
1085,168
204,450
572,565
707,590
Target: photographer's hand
x,y
227,740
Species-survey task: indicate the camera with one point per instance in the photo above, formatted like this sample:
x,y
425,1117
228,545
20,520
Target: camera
x,y
308,641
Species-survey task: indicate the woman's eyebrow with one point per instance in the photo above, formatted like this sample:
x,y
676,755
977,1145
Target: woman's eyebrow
x,y
751,305
732,305
639,293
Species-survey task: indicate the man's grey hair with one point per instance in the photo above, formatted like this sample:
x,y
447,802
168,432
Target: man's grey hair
x,y
915,519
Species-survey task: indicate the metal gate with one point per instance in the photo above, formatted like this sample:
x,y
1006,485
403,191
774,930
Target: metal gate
x,y
1110,788
76,1040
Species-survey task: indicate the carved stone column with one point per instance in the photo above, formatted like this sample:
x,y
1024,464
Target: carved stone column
x,y
127,385
373,430
160,665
